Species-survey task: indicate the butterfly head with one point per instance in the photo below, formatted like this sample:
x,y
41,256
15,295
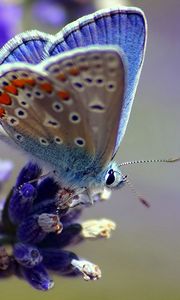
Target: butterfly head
x,y
114,178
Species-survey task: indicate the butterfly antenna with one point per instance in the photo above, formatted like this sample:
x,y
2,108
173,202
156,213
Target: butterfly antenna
x,y
169,160
142,200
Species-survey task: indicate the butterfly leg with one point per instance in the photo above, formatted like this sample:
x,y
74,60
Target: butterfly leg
x,y
82,199
91,196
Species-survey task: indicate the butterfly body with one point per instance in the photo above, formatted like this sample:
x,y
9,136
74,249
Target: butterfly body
x,y
70,111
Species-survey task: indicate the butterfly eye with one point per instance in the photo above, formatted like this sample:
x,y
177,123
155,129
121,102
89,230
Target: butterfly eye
x,y
113,178
110,177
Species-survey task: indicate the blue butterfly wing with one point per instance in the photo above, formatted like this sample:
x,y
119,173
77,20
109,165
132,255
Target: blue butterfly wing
x,y
25,47
123,27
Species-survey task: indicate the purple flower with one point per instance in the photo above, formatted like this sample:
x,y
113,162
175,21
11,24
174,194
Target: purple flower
x,y
38,224
10,21
38,277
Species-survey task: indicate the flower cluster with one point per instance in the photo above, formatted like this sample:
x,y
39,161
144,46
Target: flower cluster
x,y
38,223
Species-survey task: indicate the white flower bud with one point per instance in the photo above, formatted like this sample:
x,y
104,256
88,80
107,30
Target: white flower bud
x,y
89,270
97,228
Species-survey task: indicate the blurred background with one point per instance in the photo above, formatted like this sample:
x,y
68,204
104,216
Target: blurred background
x,y
142,258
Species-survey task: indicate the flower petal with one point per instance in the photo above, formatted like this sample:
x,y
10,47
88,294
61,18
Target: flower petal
x,y
31,171
58,260
26,255
47,189
21,202
38,277
70,235
29,230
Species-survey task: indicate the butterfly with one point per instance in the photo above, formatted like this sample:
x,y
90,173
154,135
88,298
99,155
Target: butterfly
x,y
66,99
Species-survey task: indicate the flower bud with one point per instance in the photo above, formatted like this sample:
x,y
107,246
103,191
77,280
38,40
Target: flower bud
x,y
89,270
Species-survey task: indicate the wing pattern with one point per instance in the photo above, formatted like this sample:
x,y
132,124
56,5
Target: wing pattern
x,y
72,100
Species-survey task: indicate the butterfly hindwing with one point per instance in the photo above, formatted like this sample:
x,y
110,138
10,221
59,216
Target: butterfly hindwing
x,y
72,100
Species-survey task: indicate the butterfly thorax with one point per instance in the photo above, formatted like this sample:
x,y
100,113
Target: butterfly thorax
x,y
81,173
92,176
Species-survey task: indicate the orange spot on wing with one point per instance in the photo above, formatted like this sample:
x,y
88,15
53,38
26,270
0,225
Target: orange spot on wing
x,y
64,95
62,77
20,83
5,99
74,71
2,112
30,81
11,89
47,87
